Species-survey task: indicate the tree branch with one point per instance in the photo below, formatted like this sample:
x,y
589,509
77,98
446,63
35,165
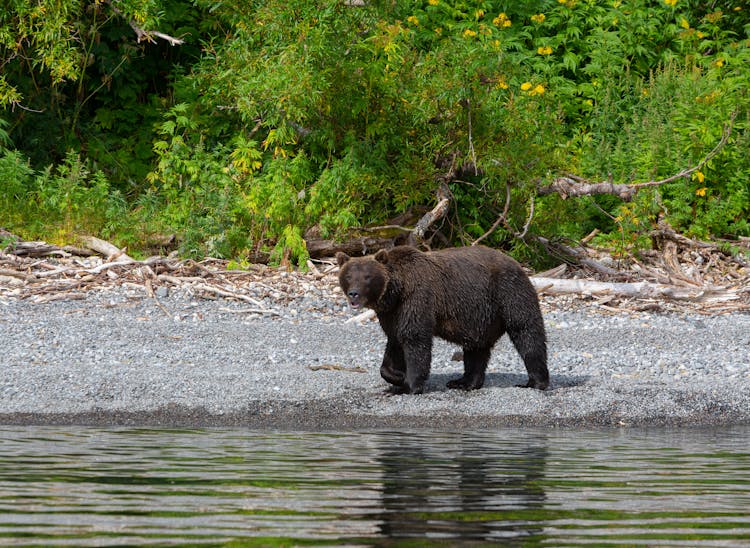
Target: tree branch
x,y
501,219
146,35
438,212
572,186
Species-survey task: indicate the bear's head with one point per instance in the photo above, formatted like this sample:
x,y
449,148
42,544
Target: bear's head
x,y
363,279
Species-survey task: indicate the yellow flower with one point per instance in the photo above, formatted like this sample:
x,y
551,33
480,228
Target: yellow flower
x,y
526,86
701,191
501,83
478,14
672,3
538,90
719,63
684,23
413,20
433,2
538,18
501,20
468,33
698,176
699,34
546,50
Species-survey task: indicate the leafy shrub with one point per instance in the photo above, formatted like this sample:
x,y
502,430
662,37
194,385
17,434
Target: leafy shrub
x,y
58,203
295,115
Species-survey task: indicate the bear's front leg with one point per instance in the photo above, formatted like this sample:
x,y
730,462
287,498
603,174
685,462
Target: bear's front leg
x,y
393,369
418,357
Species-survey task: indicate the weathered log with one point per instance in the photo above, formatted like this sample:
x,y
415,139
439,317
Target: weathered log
x,y
556,286
579,256
110,251
364,245
16,274
34,249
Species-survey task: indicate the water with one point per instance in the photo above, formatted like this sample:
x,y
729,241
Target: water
x,y
106,487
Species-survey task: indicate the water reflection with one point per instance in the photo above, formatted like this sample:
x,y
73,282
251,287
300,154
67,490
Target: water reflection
x,y
94,487
460,486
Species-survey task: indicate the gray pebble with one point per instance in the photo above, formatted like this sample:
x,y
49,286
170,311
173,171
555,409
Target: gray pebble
x,y
118,358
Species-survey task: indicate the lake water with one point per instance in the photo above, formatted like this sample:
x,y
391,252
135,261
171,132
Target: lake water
x,y
128,486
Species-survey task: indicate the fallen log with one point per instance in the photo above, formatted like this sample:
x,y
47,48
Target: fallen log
x,y
16,274
364,245
110,251
35,249
640,290
578,255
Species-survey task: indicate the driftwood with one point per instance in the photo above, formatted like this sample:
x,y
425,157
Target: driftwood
x,y
362,317
579,256
362,245
683,274
263,288
639,290
111,252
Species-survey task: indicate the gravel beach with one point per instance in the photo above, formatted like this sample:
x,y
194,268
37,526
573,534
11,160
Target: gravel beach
x,y
119,357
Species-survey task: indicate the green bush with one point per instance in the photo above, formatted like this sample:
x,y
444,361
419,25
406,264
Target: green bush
x,y
58,203
279,116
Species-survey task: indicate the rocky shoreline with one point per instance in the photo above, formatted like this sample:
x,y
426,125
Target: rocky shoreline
x,y
119,356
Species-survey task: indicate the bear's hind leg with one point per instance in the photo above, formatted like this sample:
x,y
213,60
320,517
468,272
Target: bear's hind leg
x,y
532,346
475,365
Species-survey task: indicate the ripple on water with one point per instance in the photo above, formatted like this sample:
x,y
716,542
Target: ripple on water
x,y
89,486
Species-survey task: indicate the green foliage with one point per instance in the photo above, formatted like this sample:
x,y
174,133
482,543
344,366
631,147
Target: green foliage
x,y
75,76
17,176
279,116
291,245
70,198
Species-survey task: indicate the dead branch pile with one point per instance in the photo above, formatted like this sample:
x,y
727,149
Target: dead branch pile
x,y
40,272
679,274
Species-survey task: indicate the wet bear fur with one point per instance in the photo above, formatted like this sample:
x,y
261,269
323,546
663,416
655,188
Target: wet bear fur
x,y
470,296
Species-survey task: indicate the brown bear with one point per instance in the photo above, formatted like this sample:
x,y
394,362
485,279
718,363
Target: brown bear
x,y
470,296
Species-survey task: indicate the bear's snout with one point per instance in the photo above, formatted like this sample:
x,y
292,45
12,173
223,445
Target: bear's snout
x,y
354,297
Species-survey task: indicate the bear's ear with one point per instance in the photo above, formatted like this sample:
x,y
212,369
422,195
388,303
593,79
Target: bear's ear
x,y
341,258
381,256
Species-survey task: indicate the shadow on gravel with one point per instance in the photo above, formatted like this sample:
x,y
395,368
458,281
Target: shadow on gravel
x,y
438,381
